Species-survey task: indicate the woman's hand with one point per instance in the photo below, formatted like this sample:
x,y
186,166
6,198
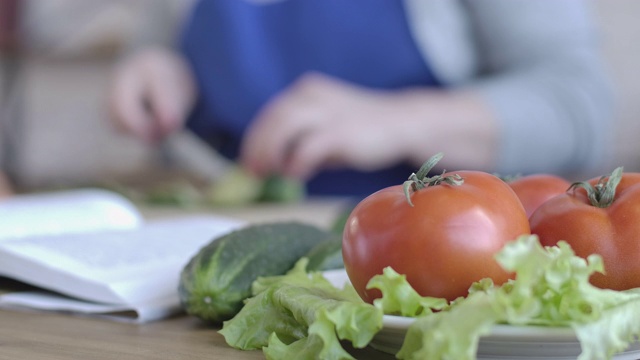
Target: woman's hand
x,y
151,94
321,122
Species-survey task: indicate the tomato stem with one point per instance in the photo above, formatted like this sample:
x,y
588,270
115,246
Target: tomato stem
x,y
603,193
509,178
419,180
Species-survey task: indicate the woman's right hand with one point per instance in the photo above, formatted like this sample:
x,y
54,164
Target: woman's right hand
x,y
151,94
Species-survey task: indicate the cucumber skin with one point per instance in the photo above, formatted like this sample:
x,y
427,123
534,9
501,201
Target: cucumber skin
x,y
327,255
217,280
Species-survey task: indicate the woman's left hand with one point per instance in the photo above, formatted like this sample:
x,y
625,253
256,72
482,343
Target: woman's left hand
x,y
321,122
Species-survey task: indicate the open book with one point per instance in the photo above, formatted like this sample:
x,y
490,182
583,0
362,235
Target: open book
x,y
89,251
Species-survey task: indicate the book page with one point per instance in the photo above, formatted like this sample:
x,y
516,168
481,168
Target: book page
x,y
46,301
62,212
116,266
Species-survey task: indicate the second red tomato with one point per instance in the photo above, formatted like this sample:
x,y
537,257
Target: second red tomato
x,y
607,225
534,190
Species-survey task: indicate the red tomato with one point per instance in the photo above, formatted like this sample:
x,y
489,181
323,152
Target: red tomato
x,y
443,243
613,232
533,190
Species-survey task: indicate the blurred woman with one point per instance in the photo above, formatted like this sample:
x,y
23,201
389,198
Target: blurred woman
x,y
352,96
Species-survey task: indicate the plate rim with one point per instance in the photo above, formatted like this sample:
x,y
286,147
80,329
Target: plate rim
x,y
506,337
500,331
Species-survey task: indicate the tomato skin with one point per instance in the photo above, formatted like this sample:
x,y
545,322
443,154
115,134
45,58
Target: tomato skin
x,y
612,232
533,190
443,244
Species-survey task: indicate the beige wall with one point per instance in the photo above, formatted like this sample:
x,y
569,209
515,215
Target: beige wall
x,y
67,137
621,45
59,97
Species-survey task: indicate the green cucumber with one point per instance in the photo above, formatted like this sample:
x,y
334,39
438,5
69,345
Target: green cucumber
x,y
327,255
340,222
280,189
217,280
236,187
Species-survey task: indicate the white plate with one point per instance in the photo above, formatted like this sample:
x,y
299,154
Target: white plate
x,y
504,341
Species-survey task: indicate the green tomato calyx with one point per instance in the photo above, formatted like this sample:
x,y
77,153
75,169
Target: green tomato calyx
x,y
420,180
603,193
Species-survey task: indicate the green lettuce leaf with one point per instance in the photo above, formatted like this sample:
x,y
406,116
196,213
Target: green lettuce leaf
x,y
552,285
399,298
611,333
452,334
302,316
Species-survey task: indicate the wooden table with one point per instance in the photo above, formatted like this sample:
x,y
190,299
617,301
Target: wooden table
x,y
47,336
29,335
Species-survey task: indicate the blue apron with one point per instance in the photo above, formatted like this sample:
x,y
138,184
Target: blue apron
x,y
243,53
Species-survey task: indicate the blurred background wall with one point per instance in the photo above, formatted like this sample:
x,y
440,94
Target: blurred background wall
x,y
621,48
54,113
54,90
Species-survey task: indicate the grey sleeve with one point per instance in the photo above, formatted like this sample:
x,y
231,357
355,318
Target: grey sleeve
x,y
542,74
